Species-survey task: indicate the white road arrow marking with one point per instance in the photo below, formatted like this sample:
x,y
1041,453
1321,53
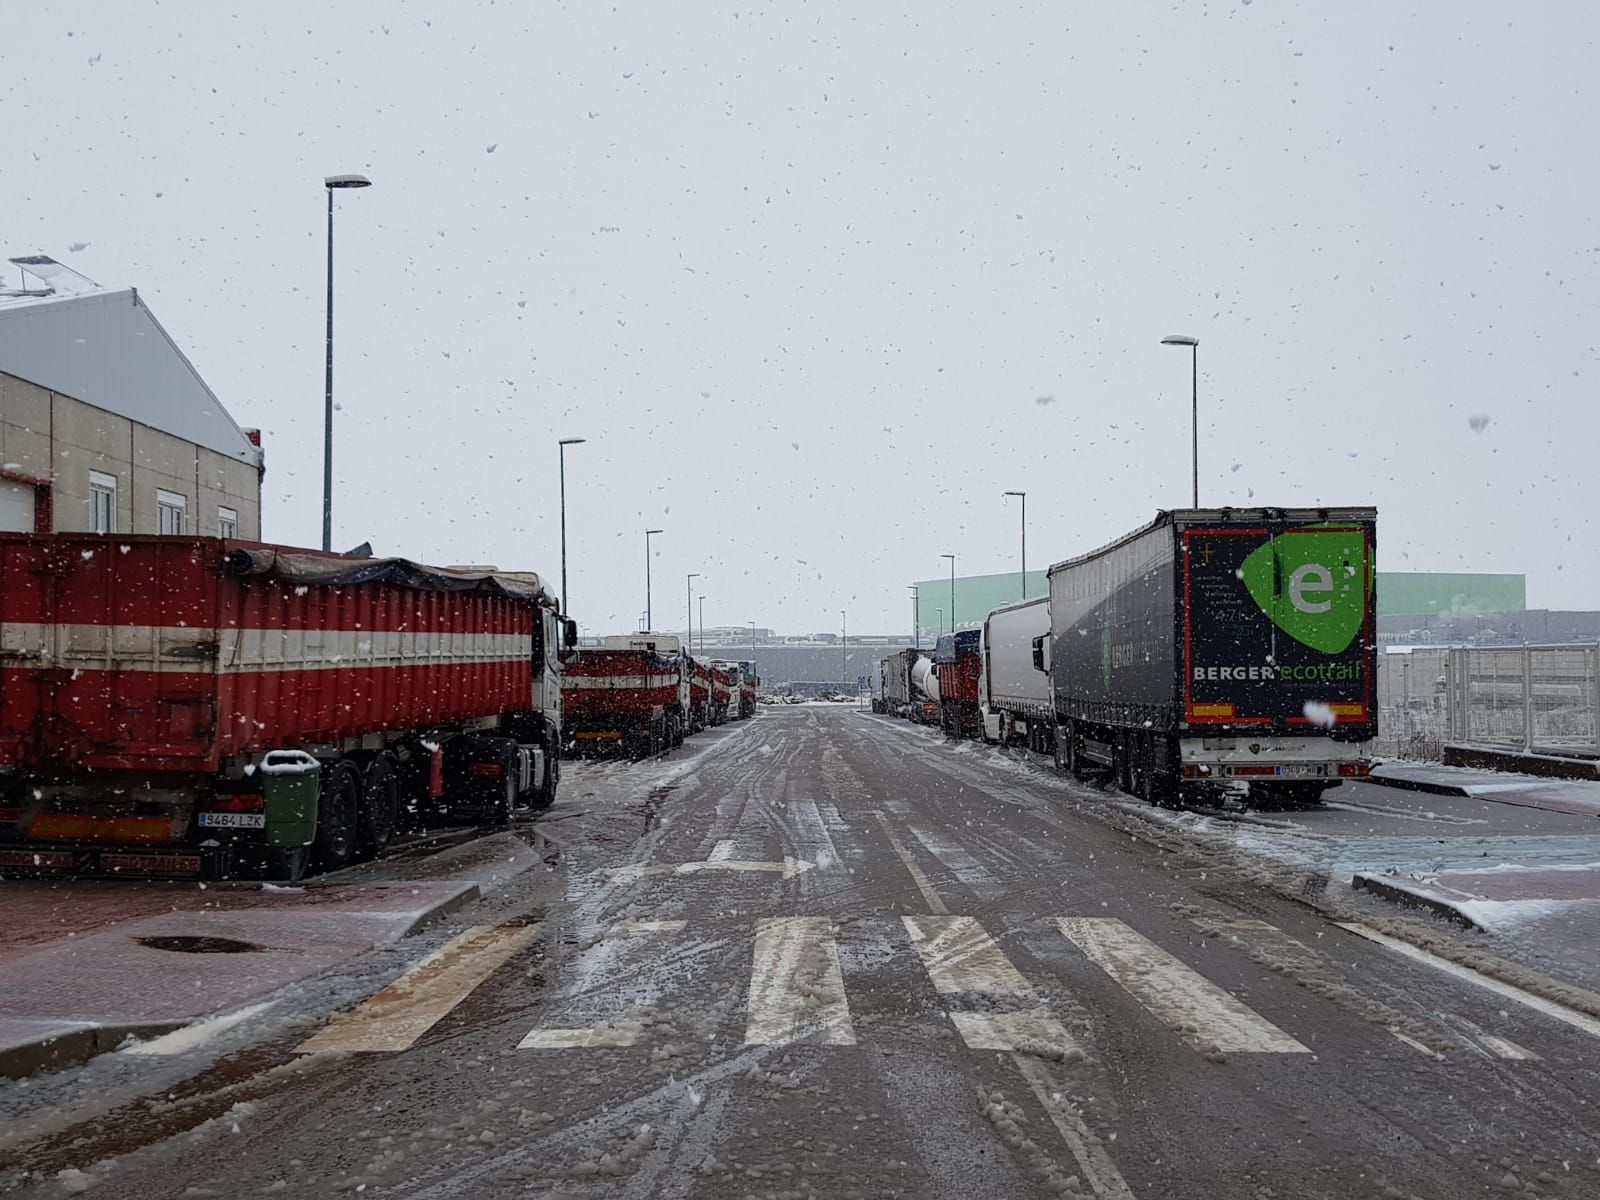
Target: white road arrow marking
x,y
788,868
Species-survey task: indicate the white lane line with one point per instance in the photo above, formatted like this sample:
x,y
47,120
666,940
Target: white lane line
x,y
929,896
788,868
1185,1000
1013,1031
1506,1048
607,1033
796,988
1539,1004
1098,1169
966,869
721,852
961,957
194,1035
637,928
1414,1044
411,1005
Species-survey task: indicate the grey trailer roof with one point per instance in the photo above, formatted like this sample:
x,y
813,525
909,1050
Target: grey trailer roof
x,y
105,348
1185,517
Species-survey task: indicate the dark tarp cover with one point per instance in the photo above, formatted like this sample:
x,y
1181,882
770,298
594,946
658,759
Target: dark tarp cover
x,y
338,570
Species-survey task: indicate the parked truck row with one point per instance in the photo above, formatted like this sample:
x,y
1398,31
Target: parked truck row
x,y
1209,647
195,706
640,694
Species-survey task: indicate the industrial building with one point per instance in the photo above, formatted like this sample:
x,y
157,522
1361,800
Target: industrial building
x,y
105,425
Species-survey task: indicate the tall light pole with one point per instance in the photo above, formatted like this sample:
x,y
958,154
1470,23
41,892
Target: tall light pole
x,y
844,649
1181,339
688,587
702,623
566,600
1023,496
952,559
916,619
648,615
753,670
331,184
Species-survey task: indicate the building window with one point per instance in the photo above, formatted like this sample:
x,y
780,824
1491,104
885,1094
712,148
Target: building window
x,y
227,522
170,507
102,502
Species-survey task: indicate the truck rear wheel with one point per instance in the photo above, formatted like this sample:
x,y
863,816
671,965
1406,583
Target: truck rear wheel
x,y
380,807
338,816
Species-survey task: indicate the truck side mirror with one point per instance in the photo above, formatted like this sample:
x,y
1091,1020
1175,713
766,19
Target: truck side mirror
x,y
569,633
1039,663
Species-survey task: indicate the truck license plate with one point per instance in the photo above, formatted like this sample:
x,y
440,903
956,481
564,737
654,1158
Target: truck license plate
x,y
227,820
1299,769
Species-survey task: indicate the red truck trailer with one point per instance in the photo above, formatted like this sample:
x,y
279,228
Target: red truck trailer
x,y
724,692
699,694
631,696
195,706
958,661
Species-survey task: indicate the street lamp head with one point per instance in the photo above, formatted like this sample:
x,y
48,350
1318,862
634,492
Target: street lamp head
x,y
1016,493
648,532
1179,339
950,556
346,181
572,441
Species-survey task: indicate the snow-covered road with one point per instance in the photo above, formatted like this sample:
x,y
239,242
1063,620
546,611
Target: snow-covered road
x,y
893,967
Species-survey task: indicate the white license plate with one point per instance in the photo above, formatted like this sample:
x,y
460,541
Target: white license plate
x,y
211,820
1299,769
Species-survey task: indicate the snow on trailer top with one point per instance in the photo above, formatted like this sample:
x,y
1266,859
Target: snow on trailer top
x,y
1017,605
315,568
1185,517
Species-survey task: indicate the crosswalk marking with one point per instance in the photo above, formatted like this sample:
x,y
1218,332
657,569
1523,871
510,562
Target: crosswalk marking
x,y
796,988
1035,1029
639,928
1185,1000
405,1010
721,852
607,1033
961,957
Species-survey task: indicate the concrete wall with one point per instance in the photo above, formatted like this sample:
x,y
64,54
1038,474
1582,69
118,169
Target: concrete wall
x,y
51,436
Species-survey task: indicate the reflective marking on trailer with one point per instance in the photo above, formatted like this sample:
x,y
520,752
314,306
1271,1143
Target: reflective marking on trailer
x,y
796,988
1539,1004
405,1010
961,958
1205,1015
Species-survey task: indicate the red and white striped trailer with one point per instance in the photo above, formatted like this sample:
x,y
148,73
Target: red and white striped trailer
x,y
194,706
631,696
749,687
699,694
725,679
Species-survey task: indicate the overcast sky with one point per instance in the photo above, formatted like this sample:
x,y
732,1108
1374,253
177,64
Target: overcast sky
x,y
820,281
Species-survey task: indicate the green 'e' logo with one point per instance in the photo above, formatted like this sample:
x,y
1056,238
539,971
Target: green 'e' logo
x,y
1312,585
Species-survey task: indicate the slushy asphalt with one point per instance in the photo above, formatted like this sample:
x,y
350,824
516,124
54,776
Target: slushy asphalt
x,y
827,954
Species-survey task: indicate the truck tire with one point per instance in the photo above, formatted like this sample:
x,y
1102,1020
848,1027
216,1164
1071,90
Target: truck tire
x,y
544,792
380,807
338,816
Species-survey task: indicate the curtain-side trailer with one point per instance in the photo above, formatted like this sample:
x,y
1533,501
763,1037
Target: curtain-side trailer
x,y
1220,645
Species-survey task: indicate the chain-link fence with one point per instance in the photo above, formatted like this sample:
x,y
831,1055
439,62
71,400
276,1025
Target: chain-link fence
x,y
1533,698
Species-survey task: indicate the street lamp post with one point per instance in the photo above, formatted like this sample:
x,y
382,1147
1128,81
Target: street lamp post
x,y
916,619
844,651
702,623
1023,496
688,587
648,615
952,559
1180,339
566,600
331,184
753,670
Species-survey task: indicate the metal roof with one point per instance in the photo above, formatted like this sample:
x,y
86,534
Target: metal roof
x,y
104,347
